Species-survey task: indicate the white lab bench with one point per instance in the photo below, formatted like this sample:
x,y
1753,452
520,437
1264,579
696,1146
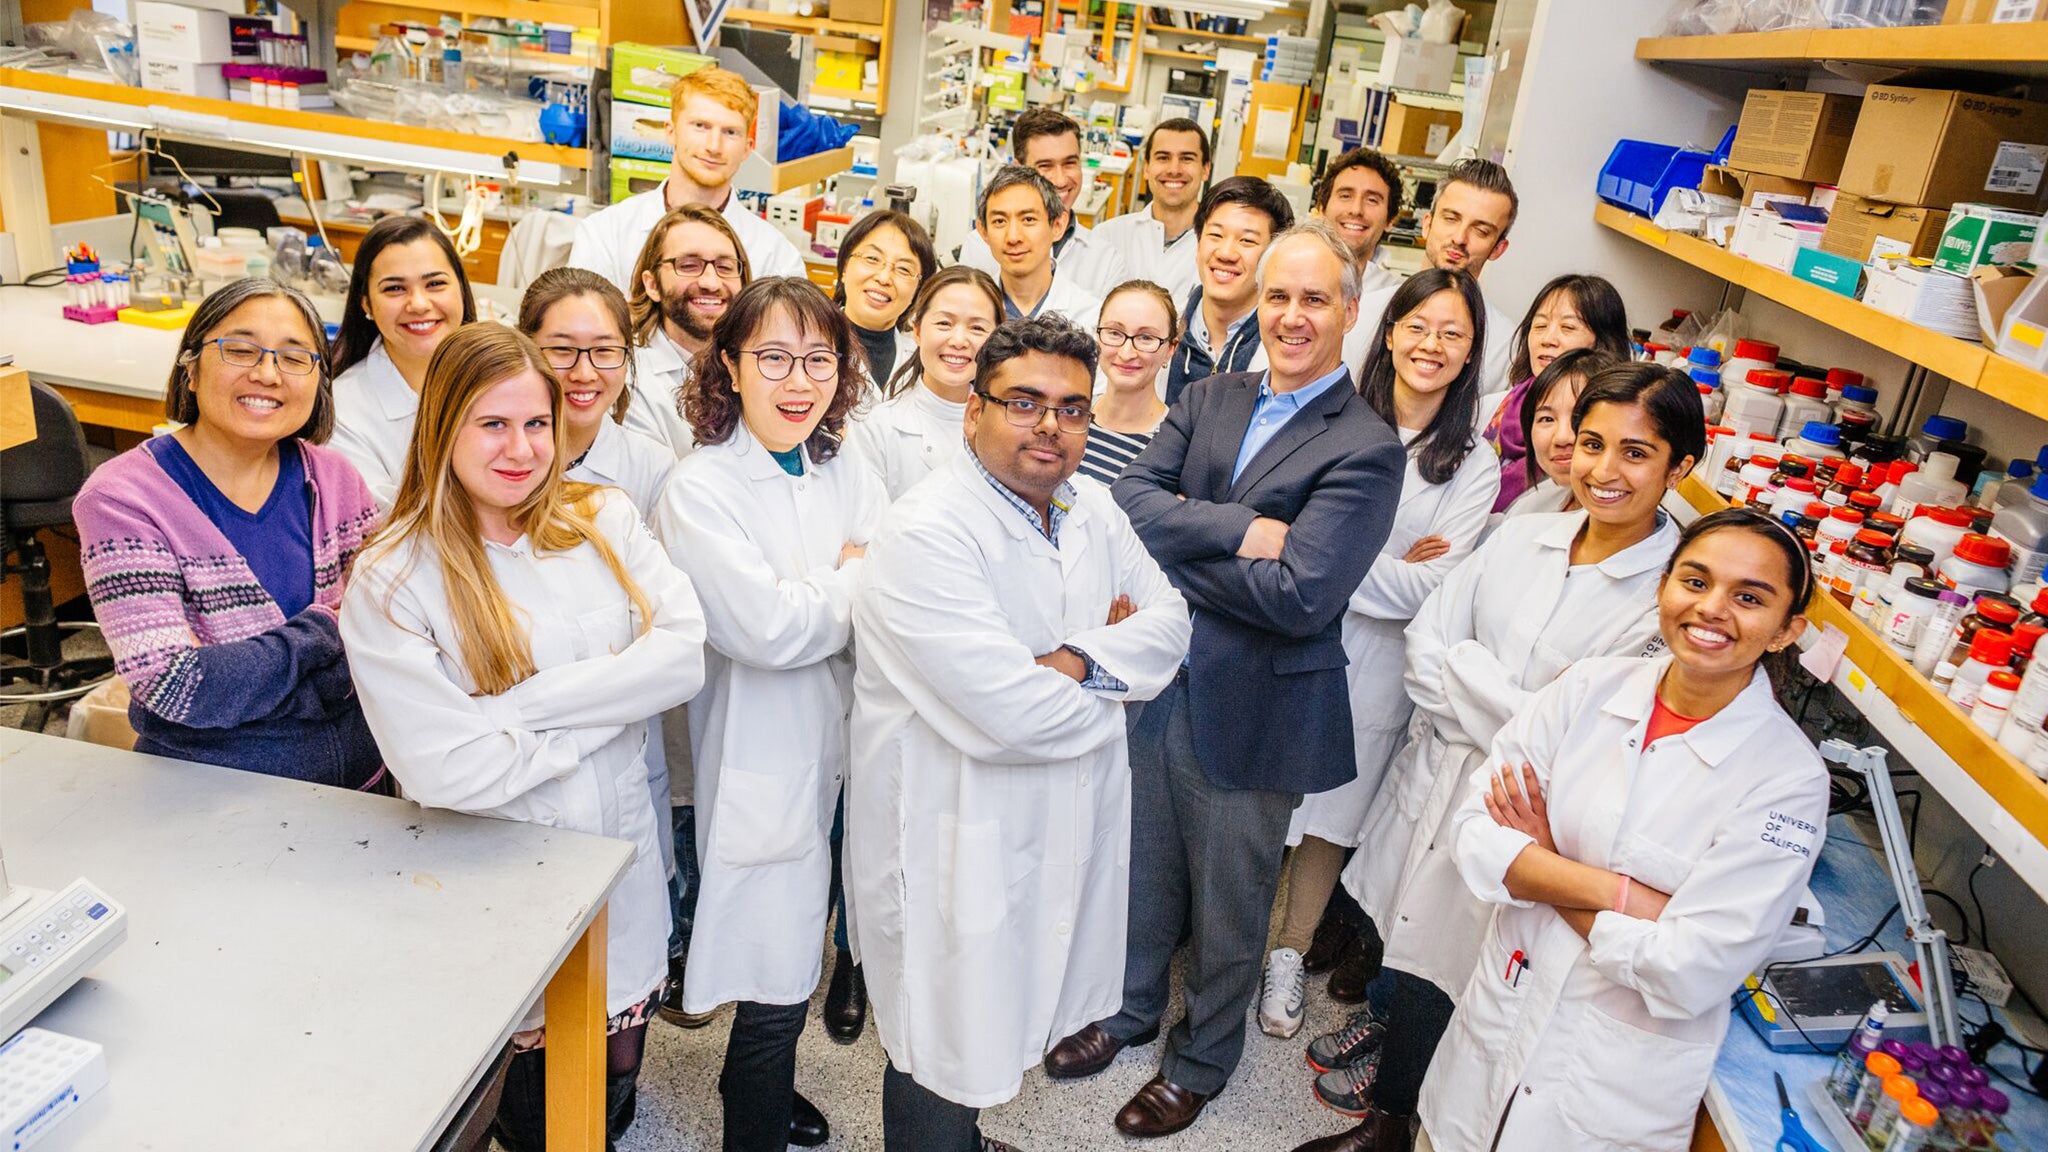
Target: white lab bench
x,y
307,967
113,374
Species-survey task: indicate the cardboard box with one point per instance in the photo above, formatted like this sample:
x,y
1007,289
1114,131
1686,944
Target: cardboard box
x,y
178,32
1980,234
1913,291
2023,334
1797,135
1753,189
1838,274
631,177
1997,286
1782,243
641,133
183,78
1938,146
17,407
1411,130
860,11
1755,227
1414,64
1860,229
642,74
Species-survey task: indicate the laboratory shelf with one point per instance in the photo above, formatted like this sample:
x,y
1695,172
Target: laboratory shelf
x,y
2012,48
1969,364
1996,794
1195,35
44,96
762,19
1164,54
808,170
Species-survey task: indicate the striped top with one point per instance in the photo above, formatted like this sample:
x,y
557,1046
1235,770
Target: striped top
x,y
216,671
1109,453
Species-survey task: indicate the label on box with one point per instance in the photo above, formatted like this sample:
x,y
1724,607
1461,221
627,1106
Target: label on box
x,y
1439,138
2013,11
2017,168
1889,246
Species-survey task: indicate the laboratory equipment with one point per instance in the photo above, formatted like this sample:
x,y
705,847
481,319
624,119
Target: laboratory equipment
x,y
44,1077
48,940
1822,1002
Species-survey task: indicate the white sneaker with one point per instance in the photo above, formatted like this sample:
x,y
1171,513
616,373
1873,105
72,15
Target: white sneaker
x,y
1281,1005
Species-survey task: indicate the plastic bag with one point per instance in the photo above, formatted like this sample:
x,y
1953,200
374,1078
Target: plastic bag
x,y
1722,17
1440,22
1777,15
1704,18
1880,13
94,39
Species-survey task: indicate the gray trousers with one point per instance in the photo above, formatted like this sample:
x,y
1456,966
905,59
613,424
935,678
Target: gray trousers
x,y
1206,858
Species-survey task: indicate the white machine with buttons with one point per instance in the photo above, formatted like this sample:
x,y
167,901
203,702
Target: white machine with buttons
x,y
47,941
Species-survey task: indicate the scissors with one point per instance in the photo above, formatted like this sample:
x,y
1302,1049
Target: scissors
x,y
1794,1136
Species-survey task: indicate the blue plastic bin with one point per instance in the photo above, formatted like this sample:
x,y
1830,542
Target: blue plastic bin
x,y
1639,174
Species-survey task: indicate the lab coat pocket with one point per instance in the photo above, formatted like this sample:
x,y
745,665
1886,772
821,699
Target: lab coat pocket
x,y
764,817
1648,862
1632,1088
605,630
977,892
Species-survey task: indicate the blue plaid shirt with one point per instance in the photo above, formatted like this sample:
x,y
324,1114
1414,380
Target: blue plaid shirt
x,y
1049,527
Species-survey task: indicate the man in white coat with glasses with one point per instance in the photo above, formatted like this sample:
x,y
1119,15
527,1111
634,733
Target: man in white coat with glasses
x,y
1004,617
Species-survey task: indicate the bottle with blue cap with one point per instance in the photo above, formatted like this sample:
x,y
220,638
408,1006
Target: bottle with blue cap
x,y
1817,439
1709,381
2004,489
2024,525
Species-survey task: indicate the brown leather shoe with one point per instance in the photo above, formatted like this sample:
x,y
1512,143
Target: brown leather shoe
x,y
1090,1051
1361,963
1378,1132
1160,1108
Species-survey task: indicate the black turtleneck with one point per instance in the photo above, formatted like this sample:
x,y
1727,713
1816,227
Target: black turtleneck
x,y
881,350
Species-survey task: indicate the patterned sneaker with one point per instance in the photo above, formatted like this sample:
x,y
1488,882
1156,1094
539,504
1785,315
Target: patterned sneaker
x,y
1281,1005
1349,1090
1358,1038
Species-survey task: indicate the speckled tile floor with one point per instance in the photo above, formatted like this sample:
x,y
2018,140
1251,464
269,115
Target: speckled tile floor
x,y
1267,1107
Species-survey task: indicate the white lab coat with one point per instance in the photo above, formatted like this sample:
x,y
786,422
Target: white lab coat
x,y
562,748
1139,240
988,824
624,459
1496,358
1089,262
373,417
1069,298
768,733
609,242
1374,624
903,439
1607,1044
659,368
1546,495
1375,286
1500,627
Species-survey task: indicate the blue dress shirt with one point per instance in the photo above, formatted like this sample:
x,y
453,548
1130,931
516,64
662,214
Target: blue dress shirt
x,y
1273,412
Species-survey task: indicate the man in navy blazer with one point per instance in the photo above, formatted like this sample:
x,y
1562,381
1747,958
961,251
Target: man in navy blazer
x,y
1265,497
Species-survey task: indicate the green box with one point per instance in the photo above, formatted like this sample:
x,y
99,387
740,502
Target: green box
x,y
628,173
643,74
1837,274
1982,234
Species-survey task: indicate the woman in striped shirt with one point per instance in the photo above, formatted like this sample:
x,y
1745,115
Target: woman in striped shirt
x,y
1137,332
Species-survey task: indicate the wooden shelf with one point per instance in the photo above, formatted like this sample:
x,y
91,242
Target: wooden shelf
x,y
1194,35
1969,364
367,141
2021,47
2008,782
858,96
543,11
1164,54
762,19
811,169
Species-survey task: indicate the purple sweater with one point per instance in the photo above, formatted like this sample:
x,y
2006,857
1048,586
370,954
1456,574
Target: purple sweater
x,y
215,671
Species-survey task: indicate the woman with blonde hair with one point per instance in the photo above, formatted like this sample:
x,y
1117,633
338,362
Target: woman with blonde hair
x,y
510,632
771,522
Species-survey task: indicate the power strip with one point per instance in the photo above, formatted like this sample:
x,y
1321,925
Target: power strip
x,y
44,1077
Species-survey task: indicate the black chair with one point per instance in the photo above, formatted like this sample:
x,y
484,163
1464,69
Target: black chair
x,y
37,481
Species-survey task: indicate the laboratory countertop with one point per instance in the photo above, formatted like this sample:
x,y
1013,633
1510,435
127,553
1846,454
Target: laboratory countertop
x,y
124,359
305,967
1855,890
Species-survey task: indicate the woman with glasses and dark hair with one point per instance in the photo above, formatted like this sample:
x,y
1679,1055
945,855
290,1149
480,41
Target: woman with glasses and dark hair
x,y
910,431
407,293
1572,311
771,523
1135,336
215,555
884,259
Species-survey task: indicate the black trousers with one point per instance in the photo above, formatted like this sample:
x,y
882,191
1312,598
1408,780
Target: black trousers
x,y
758,1082
917,1119
1418,1015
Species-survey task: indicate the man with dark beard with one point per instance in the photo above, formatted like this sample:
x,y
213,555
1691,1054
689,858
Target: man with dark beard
x,y
689,270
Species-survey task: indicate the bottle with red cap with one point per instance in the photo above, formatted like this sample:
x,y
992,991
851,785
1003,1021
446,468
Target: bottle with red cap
x,y
1848,479
1757,404
1990,651
1988,614
1747,356
1895,473
1806,400
1979,562
1938,530
1840,378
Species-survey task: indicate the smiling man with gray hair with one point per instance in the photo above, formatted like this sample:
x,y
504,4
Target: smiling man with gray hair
x,y
1264,497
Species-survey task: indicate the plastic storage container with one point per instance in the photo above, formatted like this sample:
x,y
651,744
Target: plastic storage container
x,y
1979,563
2024,526
1639,174
1753,404
1815,440
1934,485
1806,402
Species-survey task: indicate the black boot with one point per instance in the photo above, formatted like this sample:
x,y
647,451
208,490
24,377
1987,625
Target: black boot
x,y
846,1001
807,1127
671,1008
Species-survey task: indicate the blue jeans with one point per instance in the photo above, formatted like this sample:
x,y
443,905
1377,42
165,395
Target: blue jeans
x,y
682,887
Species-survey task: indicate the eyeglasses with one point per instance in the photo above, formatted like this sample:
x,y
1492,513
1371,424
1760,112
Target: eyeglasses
x,y
1027,413
873,262
1417,331
248,354
604,357
1117,338
691,267
776,364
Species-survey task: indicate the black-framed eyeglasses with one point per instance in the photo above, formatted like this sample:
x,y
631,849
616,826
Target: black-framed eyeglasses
x,y
1024,412
691,267
248,354
1145,342
775,364
604,357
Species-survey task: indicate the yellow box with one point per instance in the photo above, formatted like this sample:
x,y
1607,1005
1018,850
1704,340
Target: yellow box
x,y
169,319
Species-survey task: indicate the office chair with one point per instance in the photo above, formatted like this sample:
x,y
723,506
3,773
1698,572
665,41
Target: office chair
x,y
37,481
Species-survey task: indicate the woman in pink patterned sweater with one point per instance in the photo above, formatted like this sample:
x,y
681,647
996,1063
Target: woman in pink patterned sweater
x,y
215,556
